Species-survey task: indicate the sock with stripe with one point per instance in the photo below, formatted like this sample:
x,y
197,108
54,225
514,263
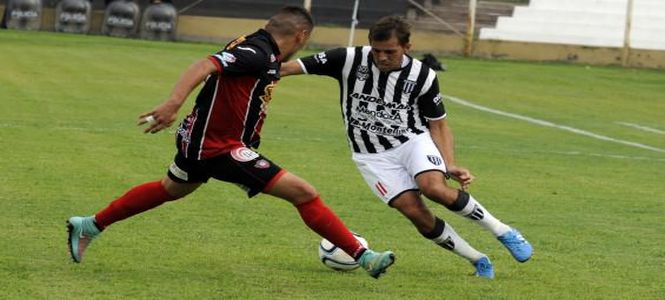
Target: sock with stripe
x,y
135,201
445,236
323,221
467,206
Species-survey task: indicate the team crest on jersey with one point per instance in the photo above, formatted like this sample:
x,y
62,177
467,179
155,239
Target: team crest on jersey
x,y
243,154
434,159
362,73
409,85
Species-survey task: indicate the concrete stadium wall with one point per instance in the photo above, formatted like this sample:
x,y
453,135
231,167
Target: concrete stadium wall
x,y
221,30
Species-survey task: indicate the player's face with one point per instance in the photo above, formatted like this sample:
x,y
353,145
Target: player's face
x,y
388,55
300,40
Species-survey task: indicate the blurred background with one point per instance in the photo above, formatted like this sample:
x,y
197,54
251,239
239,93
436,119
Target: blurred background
x,y
617,32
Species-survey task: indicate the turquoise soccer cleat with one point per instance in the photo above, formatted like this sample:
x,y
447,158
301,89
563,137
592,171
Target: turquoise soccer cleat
x,y
518,246
81,231
376,263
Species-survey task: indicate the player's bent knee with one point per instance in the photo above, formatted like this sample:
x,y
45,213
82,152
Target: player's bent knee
x,y
439,193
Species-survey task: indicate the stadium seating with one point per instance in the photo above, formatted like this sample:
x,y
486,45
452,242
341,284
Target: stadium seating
x,y
24,14
598,23
73,16
159,22
121,19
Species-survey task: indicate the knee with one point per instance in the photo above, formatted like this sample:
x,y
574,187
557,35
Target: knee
x,y
308,192
439,192
303,192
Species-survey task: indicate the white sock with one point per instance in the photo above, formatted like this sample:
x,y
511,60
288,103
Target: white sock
x,y
476,212
445,236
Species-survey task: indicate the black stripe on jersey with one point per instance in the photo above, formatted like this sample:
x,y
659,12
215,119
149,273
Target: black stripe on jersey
x,y
369,82
204,103
351,80
420,82
363,134
397,93
253,115
383,80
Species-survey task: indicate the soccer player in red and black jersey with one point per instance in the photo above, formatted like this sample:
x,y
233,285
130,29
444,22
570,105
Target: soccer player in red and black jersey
x,y
217,139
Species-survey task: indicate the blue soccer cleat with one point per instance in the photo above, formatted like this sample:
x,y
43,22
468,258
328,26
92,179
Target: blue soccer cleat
x,y
81,231
376,263
518,246
484,268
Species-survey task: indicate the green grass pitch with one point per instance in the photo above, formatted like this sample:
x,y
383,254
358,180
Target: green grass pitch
x,y
593,209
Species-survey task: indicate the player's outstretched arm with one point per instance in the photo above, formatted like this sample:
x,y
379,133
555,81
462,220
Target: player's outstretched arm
x,y
443,138
291,67
166,113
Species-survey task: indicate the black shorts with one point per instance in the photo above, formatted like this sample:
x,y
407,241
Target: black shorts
x,y
251,171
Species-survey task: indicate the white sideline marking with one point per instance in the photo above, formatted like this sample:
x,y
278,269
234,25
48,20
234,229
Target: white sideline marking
x,y
570,153
553,125
640,127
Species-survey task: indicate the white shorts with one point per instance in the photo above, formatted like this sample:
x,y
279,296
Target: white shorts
x,y
393,172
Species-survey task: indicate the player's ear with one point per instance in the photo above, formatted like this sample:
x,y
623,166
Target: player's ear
x,y
303,36
407,47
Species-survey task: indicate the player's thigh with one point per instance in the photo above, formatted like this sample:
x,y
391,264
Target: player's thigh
x,y
421,155
178,189
292,188
384,175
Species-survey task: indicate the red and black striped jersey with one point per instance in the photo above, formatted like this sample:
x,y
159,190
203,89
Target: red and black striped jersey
x,y
230,109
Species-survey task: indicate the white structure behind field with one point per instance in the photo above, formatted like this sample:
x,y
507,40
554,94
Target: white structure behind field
x,y
598,23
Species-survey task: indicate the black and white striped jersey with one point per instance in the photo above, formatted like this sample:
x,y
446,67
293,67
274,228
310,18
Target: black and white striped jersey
x,y
380,110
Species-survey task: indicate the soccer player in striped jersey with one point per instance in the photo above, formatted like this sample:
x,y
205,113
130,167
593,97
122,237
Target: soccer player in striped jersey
x,y
397,129
219,137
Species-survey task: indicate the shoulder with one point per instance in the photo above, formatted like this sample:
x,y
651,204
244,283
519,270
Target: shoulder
x,y
423,67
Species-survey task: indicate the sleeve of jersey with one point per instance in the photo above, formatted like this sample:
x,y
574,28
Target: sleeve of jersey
x,y
241,60
431,103
328,63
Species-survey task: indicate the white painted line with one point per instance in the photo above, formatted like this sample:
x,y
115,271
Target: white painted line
x,y
571,153
640,127
553,125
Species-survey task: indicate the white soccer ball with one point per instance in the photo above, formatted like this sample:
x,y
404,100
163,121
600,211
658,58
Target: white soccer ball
x,y
335,258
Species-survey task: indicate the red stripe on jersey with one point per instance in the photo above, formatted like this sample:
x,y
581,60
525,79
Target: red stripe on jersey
x,y
226,119
219,67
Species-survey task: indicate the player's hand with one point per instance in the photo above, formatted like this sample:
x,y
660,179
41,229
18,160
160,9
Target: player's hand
x,y
461,175
159,118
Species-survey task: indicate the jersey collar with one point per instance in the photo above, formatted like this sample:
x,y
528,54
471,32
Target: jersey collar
x,y
271,40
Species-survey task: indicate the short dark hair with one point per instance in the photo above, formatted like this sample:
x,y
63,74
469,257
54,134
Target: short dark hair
x,y
386,27
289,20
